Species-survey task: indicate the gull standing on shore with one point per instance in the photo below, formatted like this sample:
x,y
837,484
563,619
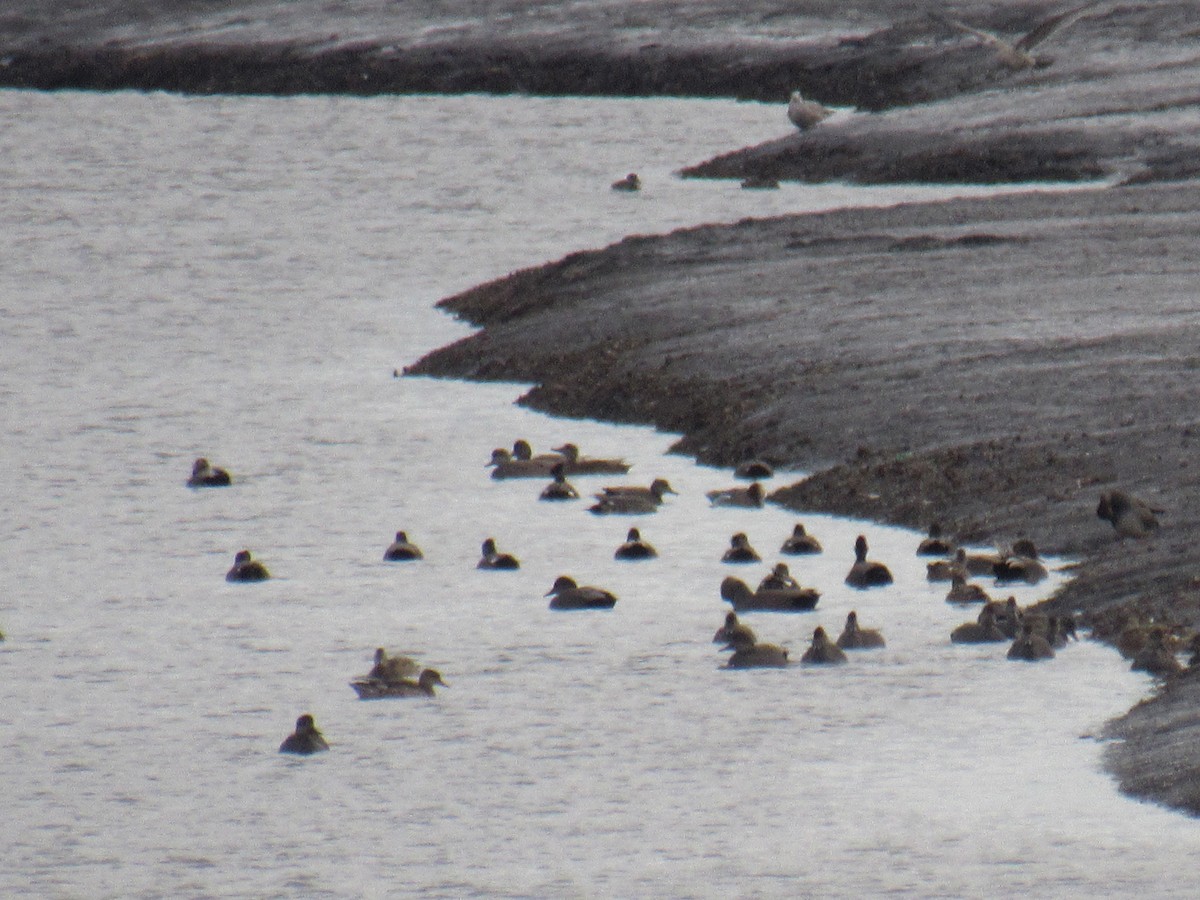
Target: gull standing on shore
x,y
806,114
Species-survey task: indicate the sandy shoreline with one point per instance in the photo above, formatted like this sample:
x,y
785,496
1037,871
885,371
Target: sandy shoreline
x,y
990,364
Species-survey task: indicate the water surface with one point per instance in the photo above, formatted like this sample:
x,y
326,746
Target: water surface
x,y
238,278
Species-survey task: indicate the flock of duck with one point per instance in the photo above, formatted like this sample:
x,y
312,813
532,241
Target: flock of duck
x,y
1031,635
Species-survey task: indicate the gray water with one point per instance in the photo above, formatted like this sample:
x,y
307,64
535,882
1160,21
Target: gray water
x,y
238,278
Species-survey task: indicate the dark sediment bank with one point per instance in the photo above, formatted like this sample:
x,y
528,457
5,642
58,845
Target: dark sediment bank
x,y
993,365
1115,94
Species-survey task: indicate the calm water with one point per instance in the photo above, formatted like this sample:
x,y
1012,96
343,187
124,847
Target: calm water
x,y
238,278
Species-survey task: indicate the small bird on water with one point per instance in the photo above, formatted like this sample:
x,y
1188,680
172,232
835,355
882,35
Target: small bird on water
x,y
306,739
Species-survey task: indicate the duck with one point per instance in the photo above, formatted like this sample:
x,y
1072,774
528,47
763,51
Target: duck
x,y
559,488
1016,56
934,544
981,563
247,569
740,550
306,739
402,550
855,638
1020,564
392,668
491,558
982,631
806,114
588,465
623,504
631,499
823,651
1030,646
630,182
635,547
522,451
800,543
370,689
752,496
1155,657
779,579
205,475
1129,516
567,594
866,573
504,465
962,591
1009,616
738,593
947,569
734,632
754,469
755,655
656,490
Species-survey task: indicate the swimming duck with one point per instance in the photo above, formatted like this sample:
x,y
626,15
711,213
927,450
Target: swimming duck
x,y
623,504
505,465
947,569
204,475
754,655
855,638
376,690
1129,516
305,739
981,563
559,488
522,451
630,182
935,544
800,542
567,594
632,499
1030,646
1009,616
737,592
1020,564
402,550
866,573
493,559
751,496
779,579
822,651
754,469
247,569
806,114
983,631
587,465
392,668
733,632
634,547
657,489
740,550
962,591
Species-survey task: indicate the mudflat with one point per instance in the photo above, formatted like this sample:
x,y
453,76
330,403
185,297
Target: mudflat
x,y
993,365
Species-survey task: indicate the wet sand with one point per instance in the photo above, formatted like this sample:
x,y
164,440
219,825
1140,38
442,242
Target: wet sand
x,y
992,365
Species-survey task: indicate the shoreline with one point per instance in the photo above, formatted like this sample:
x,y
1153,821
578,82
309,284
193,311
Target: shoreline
x,y
928,391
